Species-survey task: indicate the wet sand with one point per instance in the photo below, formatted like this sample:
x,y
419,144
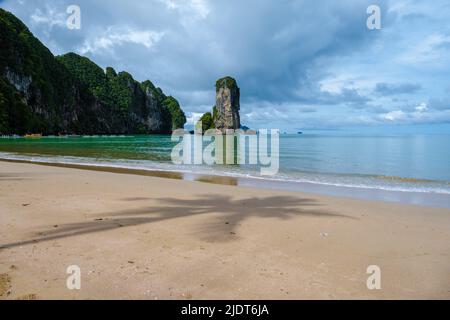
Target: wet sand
x,y
148,237
439,200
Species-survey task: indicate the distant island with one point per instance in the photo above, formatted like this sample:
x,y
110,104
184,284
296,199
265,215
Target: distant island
x,y
225,114
70,94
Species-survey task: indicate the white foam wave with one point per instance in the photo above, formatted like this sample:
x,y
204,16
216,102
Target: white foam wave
x,y
356,182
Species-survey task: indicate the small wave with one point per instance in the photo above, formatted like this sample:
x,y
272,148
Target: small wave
x,y
398,184
373,186
403,179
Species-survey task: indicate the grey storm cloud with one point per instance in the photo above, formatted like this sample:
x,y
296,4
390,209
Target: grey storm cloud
x,y
439,104
388,89
270,47
279,51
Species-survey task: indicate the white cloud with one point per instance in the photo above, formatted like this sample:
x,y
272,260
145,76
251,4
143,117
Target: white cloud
x,y
422,107
394,115
115,36
299,64
189,7
193,118
421,114
49,16
429,50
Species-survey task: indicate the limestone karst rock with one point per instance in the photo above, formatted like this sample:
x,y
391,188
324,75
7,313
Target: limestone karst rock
x,y
227,104
70,94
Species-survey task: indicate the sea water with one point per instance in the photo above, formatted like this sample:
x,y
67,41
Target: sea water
x,y
406,168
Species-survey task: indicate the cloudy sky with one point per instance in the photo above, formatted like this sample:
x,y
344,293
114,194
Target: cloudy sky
x,y
300,64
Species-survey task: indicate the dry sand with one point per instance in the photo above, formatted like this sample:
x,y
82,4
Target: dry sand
x,y
140,237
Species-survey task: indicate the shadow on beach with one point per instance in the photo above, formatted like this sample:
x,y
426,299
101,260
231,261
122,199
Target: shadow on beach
x,y
12,177
223,210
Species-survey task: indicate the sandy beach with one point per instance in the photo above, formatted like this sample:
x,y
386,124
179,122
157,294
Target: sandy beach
x,y
143,237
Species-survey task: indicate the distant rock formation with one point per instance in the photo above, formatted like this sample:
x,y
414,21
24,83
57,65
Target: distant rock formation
x,y
227,104
225,113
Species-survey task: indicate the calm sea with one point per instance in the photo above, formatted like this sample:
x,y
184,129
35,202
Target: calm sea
x,y
335,164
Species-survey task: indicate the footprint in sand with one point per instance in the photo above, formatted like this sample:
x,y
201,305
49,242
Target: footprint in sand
x,y
30,296
5,284
5,289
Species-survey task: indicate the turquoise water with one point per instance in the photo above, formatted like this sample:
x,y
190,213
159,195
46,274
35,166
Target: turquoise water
x,y
405,163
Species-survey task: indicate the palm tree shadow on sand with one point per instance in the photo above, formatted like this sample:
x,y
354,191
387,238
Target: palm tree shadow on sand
x,y
222,209
12,177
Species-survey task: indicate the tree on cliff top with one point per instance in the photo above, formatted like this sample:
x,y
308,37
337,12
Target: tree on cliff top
x,y
173,107
207,122
228,82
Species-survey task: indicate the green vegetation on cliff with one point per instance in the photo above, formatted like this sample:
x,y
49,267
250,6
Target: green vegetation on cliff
x,y
37,92
71,94
177,115
228,82
126,97
84,70
208,120
14,113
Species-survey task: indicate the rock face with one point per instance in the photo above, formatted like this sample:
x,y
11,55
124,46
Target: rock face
x,y
70,94
227,104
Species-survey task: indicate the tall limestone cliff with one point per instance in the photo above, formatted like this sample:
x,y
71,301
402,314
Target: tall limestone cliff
x,y
227,104
40,93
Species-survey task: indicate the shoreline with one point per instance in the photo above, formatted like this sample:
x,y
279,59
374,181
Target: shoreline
x,y
144,237
362,193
